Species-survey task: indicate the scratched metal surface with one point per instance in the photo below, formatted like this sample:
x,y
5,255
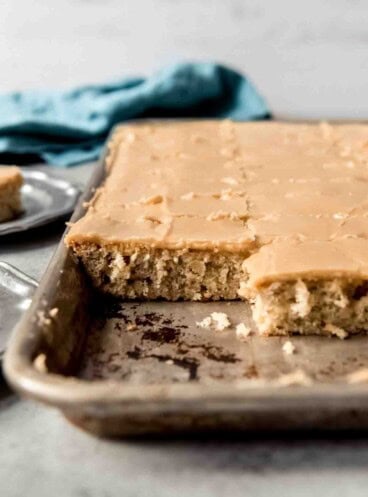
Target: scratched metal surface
x,y
159,342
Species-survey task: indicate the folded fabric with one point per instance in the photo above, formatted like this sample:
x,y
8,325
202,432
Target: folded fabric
x,y
69,127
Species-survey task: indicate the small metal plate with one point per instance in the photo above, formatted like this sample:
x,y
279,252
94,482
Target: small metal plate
x,y
16,290
45,198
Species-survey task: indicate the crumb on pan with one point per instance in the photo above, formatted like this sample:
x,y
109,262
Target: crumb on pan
x,y
242,331
288,348
219,321
205,323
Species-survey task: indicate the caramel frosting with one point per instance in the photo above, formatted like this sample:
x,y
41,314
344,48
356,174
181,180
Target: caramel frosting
x,y
10,175
290,259
295,196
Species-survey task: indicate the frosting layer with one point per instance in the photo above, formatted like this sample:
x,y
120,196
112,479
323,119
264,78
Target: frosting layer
x,y
293,195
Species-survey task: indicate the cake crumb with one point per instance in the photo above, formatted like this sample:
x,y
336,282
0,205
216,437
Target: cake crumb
x,y
217,320
335,330
242,331
169,361
40,363
220,320
205,323
288,348
358,376
296,378
131,327
54,312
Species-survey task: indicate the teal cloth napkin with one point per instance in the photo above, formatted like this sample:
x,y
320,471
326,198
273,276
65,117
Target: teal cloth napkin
x,y
69,127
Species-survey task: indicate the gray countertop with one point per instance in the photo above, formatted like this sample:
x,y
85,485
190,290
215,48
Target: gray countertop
x,y
310,60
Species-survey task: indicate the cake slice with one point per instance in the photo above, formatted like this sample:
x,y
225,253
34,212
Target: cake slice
x,y
273,213
10,200
309,287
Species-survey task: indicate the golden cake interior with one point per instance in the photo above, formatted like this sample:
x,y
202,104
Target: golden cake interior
x,y
271,212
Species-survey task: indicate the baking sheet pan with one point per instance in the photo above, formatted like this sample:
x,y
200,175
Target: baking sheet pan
x,y
126,368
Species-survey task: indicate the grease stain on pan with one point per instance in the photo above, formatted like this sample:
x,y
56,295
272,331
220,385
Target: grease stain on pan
x,y
162,347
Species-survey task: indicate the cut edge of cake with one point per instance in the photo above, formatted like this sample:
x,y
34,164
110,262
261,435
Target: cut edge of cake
x,y
156,273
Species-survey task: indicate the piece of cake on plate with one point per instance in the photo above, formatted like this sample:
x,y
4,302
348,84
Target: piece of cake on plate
x,y
10,199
